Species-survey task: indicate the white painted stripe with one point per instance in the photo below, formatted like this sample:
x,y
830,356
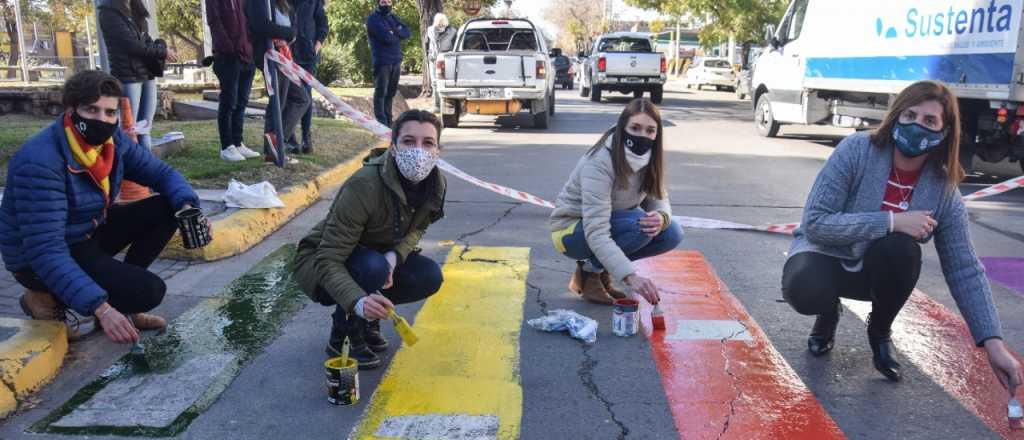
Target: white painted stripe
x,y
439,427
710,329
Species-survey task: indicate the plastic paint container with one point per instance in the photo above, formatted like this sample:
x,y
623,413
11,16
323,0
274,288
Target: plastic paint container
x,y
342,381
625,317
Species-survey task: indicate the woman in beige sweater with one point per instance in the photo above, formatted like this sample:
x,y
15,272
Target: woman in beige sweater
x,y
614,208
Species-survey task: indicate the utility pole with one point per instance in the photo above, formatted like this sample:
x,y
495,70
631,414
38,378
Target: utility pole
x,y
88,39
21,41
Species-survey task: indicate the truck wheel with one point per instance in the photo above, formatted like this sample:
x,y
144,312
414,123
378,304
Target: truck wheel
x,y
551,104
452,120
638,93
656,94
595,93
766,125
572,85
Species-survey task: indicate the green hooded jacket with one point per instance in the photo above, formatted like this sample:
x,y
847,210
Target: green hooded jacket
x,y
371,211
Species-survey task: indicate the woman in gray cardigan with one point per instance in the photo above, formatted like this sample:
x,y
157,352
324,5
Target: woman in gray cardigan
x,y
614,208
879,196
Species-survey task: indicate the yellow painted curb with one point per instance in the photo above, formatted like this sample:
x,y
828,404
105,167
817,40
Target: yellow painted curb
x,y
246,228
29,359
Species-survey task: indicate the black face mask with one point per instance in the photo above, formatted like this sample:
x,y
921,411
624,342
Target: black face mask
x,y
384,9
639,145
95,131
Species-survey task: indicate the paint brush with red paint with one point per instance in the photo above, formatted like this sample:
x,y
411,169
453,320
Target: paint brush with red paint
x,y
1015,414
657,318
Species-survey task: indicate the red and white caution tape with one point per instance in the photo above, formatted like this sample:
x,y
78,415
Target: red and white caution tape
x,y
296,73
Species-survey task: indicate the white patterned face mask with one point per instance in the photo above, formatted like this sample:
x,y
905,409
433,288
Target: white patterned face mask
x,y
415,163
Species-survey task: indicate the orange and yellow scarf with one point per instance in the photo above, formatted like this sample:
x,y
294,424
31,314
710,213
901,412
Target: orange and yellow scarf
x,y
97,160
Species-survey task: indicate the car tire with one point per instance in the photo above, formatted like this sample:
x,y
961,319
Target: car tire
x,y
584,90
638,94
763,117
540,120
657,93
551,104
595,93
452,120
572,85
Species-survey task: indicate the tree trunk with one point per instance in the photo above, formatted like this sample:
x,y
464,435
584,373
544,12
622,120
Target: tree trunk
x,y
12,33
427,8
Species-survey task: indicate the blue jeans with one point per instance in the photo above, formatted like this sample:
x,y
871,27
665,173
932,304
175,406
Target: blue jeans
x,y
415,279
627,235
235,84
143,97
307,119
385,86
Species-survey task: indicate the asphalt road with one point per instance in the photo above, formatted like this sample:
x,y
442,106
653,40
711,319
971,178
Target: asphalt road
x,y
718,167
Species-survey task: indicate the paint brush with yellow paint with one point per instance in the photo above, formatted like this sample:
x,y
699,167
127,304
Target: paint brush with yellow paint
x,y
403,328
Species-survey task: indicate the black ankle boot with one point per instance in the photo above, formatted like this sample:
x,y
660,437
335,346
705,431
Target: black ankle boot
x,y
357,350
823,334
882,352
373,338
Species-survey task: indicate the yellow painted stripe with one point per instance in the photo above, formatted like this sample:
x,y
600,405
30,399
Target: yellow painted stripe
x,y
467,360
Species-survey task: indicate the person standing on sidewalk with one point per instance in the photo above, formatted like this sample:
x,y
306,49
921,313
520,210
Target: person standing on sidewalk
x,y
440,39
614,209
232,52
60,231
311,32
879,196
363,257
133,54
276,24
386,33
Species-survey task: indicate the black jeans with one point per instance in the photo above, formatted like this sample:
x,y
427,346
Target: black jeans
x,y
812,283
235,84
385,86
307,118
146,225
415,279
294,102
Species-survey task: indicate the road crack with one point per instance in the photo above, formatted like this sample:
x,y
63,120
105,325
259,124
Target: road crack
x,y
463,239
734,381
586,375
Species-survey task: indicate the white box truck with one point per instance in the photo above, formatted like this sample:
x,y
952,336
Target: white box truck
x,y
840,63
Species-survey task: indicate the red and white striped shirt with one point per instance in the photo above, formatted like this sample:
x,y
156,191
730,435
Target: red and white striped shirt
x,y
899,190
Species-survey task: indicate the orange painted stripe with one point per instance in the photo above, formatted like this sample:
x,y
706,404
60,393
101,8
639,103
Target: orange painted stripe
x,y
939,343
738,389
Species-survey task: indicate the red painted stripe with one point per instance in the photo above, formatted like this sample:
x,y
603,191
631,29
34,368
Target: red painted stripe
x,y
732,389
939,343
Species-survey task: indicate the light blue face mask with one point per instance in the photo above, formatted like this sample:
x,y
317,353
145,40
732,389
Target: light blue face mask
x,y
914,139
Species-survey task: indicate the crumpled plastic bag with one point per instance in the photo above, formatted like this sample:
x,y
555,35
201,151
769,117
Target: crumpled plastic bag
x,y
579,326
260,195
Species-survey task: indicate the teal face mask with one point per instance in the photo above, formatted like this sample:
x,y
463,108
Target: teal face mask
x,y
914,139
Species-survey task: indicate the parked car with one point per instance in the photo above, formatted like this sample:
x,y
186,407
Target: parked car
x,y
564,71
710,72
623,62
499,67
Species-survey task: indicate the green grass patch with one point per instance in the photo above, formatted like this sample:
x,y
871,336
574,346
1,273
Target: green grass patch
x,y
335,141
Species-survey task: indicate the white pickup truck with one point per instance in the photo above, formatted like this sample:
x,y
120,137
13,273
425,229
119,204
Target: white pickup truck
x,y
499,67
623,62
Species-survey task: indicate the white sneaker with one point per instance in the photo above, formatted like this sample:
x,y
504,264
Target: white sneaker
x,y
231,154
246,152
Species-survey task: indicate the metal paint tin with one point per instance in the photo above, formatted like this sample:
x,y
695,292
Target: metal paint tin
x,y
342,381
625,317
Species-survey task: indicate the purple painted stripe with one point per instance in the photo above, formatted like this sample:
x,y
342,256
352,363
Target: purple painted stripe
x,y
1008,271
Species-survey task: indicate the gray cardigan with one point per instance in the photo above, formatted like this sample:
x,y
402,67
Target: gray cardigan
x,y
843,216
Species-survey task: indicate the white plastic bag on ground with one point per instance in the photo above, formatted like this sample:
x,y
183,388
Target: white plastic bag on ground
x,y
260,195
579,326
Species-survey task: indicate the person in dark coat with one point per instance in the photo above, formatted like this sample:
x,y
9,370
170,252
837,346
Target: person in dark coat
x,y
232,52
310,34
134,57
278,24
60,231
386,33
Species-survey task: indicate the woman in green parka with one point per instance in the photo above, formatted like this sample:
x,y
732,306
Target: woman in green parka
x,y
363,257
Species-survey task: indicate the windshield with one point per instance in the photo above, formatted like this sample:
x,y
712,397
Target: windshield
x,y
625,45
722,64
499,40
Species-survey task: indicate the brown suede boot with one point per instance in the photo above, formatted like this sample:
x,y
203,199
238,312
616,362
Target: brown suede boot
x,y
43,306
146,321
606,281
593,289
576,282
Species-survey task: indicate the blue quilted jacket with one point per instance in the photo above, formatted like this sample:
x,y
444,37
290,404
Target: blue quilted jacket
x,y
51,202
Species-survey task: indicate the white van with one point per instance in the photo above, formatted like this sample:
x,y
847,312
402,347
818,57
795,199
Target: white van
x,y
839,63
